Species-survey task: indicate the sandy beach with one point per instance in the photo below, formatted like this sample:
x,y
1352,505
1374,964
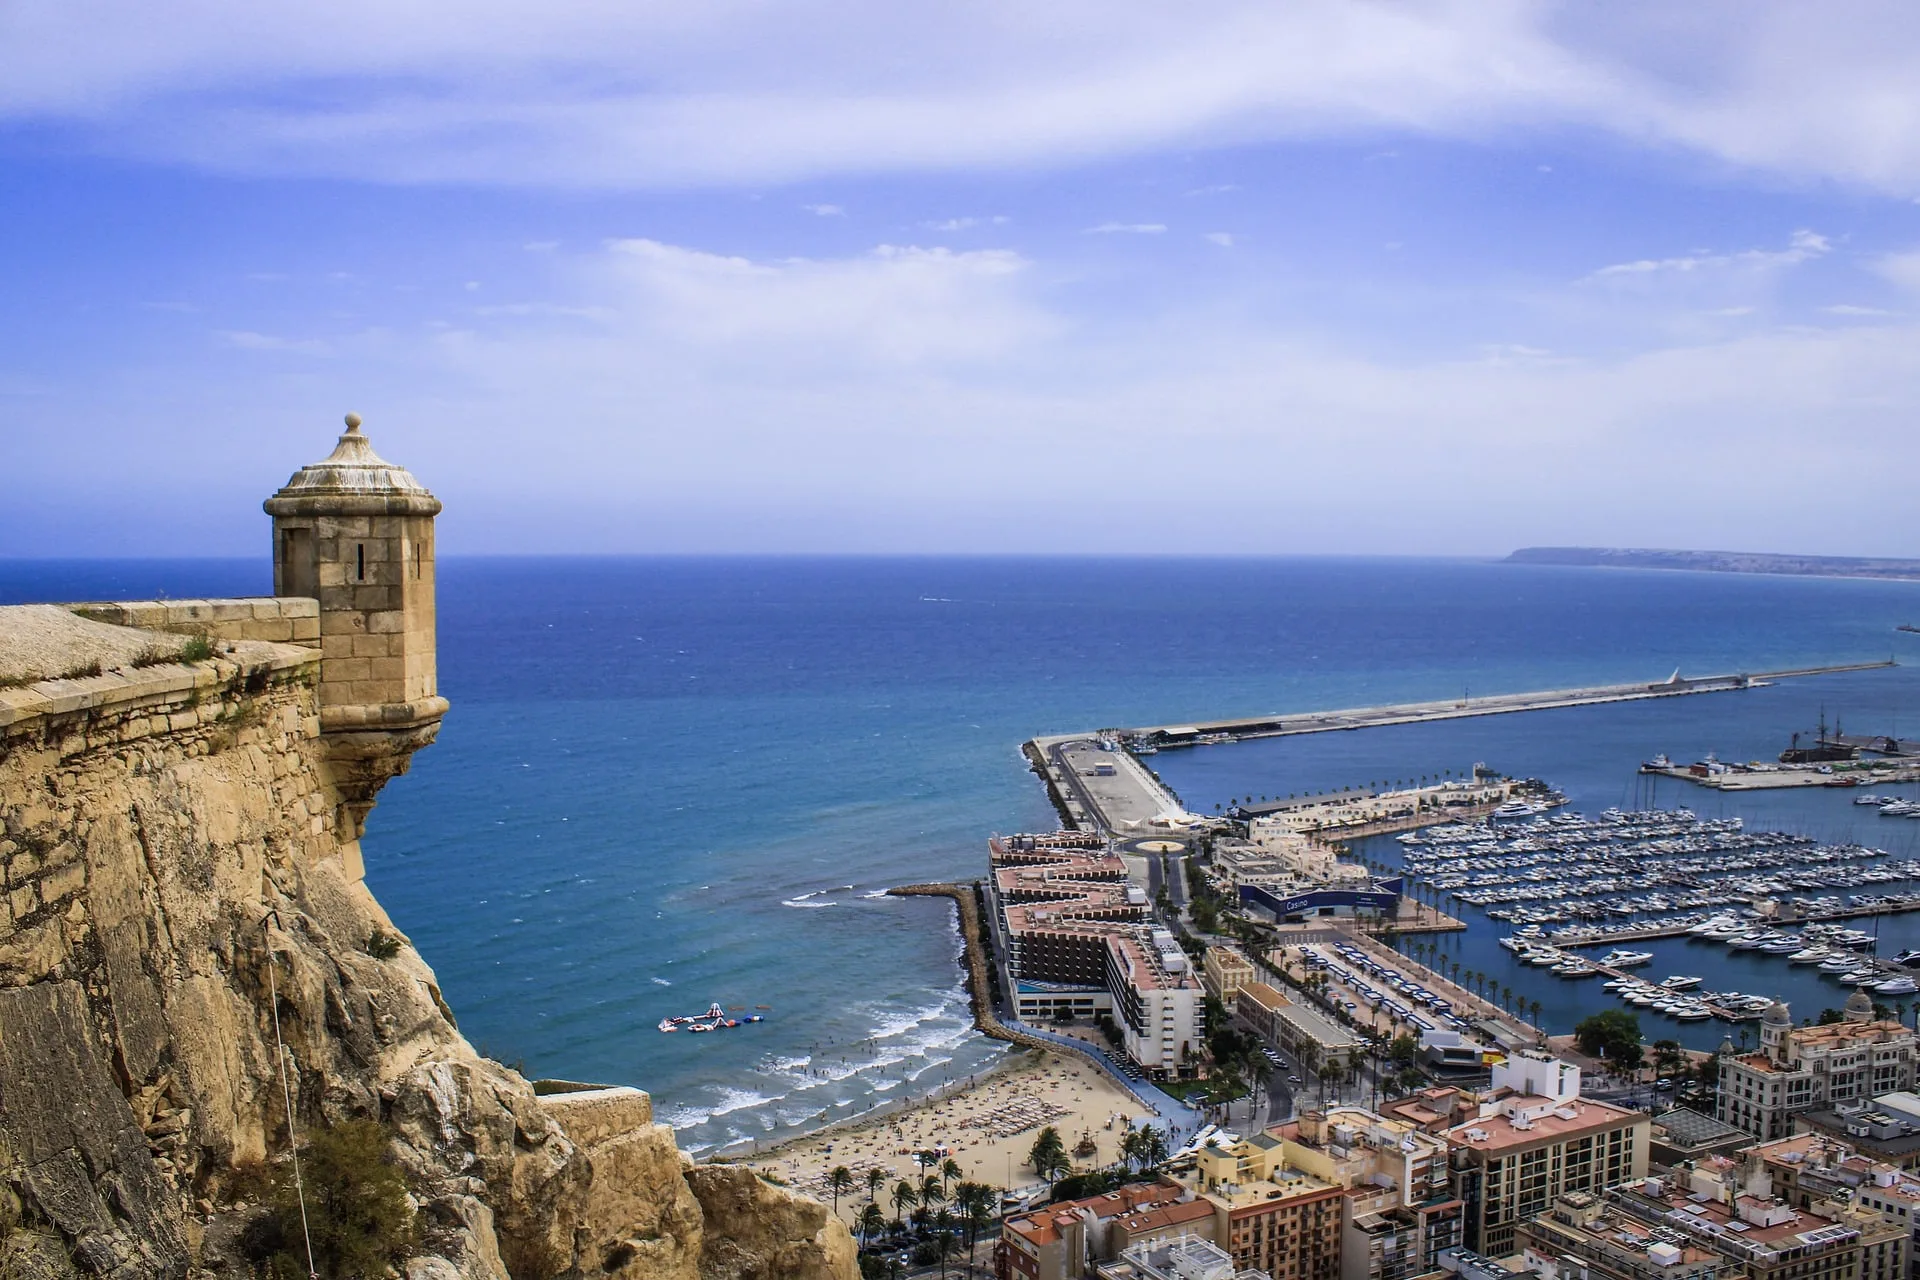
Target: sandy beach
x,y
986,1128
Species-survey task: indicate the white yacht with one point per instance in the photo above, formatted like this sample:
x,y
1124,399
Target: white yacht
x,y
1681,982
1621,958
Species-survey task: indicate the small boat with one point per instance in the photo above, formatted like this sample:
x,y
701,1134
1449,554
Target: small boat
x,y
1514,809
1621,958
1908,959
1870,799
1859,977
1679,982
1900,986
1694,1013
1837,964
1810,955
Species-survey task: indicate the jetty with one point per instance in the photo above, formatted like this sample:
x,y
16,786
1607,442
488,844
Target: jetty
x,y
1561,939
1286,725
1096,785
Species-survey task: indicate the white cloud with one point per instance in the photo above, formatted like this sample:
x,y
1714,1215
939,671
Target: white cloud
x,y
601,93
824,210
248,340
1850,309
967,224
1222,238
1127,228
1902,269
1802,246
900,305
1218,188
923,398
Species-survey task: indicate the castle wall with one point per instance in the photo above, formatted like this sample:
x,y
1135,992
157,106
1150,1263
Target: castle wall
x,y
175,852
286,620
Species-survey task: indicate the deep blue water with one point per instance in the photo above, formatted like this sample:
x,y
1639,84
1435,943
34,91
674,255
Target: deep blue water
x,y
670,781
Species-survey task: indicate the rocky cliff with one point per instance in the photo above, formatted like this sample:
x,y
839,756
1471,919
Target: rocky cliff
x,y
182,914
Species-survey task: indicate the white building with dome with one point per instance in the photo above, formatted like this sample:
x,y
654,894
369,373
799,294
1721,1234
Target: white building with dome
x,y
1805,1068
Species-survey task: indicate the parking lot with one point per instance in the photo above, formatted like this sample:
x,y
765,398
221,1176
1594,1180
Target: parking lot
x,y
1369,989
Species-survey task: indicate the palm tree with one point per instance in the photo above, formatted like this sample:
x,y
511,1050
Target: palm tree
x,y
1057,1167
1534,1006
1329,1074
1130,1143
931,1192
1153,1147
839,1182
904,1198
1258,1071
975,1203
1046,1144
871,1223
943,1238
949,1171
876,1179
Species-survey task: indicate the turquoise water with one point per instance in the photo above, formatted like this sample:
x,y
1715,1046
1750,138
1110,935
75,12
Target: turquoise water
x,y
672,781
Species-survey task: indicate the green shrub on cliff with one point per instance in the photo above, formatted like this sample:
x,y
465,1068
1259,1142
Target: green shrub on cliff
x,y
357,1212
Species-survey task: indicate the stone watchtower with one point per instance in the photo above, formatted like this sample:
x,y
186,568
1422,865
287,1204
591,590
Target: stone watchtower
x,y
355,532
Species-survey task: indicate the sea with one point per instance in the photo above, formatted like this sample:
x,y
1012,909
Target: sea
x,y
669,782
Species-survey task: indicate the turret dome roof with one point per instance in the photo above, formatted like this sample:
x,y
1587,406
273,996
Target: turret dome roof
x,y
353,480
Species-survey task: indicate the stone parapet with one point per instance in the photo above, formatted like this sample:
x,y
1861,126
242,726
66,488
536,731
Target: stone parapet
x,y
284,620
591,1116
167,697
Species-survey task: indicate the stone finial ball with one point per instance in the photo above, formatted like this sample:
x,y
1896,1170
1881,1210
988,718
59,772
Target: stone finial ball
x,y
353,422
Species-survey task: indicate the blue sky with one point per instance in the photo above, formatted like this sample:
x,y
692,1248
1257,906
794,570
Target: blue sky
x,y
852,276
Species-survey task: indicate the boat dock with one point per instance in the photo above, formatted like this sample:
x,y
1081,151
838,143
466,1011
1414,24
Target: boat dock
x,y
1679,929
1766,776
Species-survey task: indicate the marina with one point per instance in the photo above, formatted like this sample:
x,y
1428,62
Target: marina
x,y
1625,877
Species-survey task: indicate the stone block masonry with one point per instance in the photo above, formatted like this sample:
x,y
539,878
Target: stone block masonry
x,y
283,620
167,833
183,917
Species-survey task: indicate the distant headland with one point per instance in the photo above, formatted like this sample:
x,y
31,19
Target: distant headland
x,y
1720,561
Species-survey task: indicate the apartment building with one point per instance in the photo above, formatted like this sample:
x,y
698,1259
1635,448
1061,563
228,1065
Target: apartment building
x,y
1801,1069
1302,1031
1584,1236
1158,1003
1728,1207
1533,1139
1182,1258
1064,1241
1399,1213
1072,942
1267,1214
1225,971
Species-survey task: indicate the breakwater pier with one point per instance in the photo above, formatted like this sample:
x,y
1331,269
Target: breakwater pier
x,y
1275,726
1096,787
